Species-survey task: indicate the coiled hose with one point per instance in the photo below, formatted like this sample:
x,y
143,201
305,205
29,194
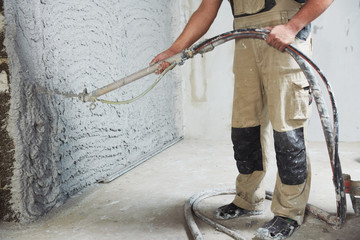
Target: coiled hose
x,y
330,129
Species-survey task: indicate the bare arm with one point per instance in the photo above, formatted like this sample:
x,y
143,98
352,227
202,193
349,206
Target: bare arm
x,y
198,24
283,35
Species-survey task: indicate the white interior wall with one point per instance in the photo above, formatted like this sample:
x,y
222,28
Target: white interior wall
x,y
336,49
209,81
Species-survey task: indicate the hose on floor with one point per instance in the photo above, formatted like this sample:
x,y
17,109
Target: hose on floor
x,y
330,129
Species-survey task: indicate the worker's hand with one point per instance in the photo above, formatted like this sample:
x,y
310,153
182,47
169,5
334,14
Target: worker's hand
x,y
161,56
280,36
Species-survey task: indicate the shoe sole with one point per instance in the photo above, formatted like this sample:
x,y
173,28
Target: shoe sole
x,y
264,234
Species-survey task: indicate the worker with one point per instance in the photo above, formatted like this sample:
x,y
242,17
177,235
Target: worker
x,y
271,98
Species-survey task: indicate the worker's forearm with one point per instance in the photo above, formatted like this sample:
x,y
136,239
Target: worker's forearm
x,y
309,12
198,25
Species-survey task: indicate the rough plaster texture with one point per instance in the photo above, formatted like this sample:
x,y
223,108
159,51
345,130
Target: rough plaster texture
x,y
209,81
61,146
6,143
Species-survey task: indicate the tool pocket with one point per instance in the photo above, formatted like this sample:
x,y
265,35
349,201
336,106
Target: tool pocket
x,y
248,6
300,105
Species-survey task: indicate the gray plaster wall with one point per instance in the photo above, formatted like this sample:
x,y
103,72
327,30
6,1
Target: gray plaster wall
x,y
6,143
61,146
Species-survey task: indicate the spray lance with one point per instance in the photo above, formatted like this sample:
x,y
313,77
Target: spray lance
x,y
330,129
177,59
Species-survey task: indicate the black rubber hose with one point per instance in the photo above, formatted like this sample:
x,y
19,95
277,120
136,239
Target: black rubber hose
x,y
332,137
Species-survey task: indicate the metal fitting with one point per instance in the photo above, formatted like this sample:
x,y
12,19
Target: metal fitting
x,y
82,96
353,188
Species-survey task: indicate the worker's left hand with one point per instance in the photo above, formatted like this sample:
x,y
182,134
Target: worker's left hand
x,y
159,59
280,36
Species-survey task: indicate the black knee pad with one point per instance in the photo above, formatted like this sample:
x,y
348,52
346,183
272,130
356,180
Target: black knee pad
x,y
247,149
291,156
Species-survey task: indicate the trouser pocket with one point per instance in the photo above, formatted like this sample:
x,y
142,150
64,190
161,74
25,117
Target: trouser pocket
x,y
300,108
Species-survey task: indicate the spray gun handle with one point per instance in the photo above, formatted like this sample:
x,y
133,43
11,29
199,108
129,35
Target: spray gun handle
x,y
91,97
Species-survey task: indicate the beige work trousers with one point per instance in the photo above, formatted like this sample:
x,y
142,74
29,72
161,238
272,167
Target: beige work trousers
x,y
269,91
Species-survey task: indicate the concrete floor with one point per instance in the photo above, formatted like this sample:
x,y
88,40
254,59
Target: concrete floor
x,y
147,202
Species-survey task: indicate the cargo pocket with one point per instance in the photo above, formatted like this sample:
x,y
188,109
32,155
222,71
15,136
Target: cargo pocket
x,y
300,102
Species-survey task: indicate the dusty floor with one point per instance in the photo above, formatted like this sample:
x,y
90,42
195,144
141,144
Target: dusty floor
x,y
148,201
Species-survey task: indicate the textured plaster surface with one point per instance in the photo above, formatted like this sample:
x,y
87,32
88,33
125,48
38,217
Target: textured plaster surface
x,y
61,147
6,142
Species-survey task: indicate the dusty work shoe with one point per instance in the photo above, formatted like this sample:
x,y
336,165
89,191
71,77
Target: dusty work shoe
x,y
232,211
277,229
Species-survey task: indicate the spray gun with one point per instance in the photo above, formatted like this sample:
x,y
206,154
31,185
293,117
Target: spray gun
x,y
177,59
92,96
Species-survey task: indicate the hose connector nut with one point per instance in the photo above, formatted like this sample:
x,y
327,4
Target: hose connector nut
x,y
82,95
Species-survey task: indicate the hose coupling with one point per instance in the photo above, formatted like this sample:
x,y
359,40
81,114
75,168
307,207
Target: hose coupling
x,y
82,96
87,97
188,53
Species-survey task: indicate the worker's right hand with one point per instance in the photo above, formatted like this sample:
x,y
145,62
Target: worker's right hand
x,y
161,56
280,36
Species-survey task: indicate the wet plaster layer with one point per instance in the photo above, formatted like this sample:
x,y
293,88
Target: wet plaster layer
x,y
61,147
